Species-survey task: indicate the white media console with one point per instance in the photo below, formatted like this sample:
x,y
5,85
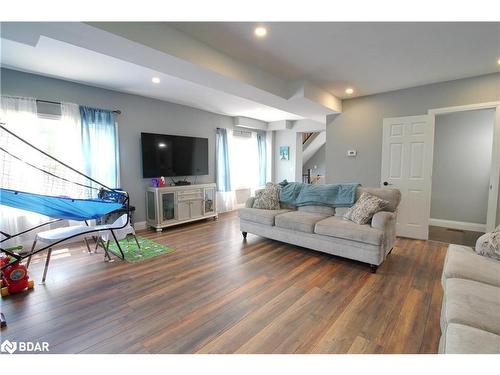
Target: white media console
x,y
172,205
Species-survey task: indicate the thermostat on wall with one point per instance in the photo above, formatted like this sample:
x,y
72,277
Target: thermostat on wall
x,y
351,153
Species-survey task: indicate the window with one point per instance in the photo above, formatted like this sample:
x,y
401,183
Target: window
x,y
243,160
61,136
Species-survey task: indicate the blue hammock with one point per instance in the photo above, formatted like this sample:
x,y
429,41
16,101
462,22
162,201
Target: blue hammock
x,y
58,207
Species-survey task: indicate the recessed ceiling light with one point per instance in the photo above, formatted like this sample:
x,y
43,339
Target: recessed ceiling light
x,y
349,90
260,31
155,80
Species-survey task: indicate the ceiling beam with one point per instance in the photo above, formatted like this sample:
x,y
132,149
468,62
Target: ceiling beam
x,y
161,48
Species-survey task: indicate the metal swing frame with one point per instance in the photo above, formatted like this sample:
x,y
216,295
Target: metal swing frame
x,y
103,191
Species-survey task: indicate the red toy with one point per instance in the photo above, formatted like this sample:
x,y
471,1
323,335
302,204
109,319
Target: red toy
x,y
14,277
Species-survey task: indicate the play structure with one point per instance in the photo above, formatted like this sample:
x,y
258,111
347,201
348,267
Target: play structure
x,y
35,181
50,187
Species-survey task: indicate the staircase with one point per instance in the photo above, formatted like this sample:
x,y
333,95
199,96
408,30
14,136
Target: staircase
x,y
306,136
311,143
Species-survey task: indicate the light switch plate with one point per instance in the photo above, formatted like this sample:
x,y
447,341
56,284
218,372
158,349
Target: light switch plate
x,y
351,153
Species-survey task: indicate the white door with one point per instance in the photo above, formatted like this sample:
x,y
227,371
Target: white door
x,y
407,150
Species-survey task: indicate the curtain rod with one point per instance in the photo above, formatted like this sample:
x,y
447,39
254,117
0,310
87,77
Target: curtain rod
x,y
118,112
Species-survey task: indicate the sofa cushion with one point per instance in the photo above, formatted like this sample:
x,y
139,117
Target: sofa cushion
x,y
335,226
471,303
461,339
324,210
259,216
463,263
298,221
393,196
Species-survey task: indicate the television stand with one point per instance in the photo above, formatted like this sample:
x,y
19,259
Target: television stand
x,y
172,205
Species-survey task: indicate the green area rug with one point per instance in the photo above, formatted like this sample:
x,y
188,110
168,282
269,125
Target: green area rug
x,y
149,249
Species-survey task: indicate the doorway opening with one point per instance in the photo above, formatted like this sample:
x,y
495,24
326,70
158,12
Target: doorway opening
x,y
461,175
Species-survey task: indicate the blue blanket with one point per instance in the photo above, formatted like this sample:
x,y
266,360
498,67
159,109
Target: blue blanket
x,y
289,191
333,195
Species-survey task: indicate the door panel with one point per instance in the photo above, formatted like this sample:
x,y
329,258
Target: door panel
x,y
196,208
396,160
183,210
407,165
417,160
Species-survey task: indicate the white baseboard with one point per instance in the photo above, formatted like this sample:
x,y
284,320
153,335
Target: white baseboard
x,y
140,225
461,225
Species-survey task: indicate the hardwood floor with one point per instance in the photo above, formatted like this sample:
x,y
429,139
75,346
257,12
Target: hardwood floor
x,y
455,236
220,294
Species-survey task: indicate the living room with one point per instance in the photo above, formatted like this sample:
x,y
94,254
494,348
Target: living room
x,y
186,187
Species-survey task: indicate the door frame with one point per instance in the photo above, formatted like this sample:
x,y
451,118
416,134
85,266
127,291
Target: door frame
x,y
495,154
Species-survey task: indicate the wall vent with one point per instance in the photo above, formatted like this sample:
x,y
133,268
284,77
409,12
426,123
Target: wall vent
x,y
242,133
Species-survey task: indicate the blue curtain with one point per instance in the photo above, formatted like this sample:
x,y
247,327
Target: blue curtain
x,y
223,178
261,144
100,145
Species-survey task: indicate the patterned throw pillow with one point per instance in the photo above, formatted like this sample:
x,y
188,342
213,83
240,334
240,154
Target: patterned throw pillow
x,y
488,245
267,199
364,209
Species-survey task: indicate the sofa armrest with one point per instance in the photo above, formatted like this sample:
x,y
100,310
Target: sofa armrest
x,y
249,202
386,222
382,219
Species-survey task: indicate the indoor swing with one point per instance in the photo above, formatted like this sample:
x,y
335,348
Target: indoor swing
x,y
56,190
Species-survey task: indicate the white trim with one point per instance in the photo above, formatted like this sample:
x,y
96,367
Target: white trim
x,y
461,108
495,154
491,215
461,225
140,225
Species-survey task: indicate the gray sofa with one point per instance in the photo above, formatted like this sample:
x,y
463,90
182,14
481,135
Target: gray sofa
x,y
319,228
470,313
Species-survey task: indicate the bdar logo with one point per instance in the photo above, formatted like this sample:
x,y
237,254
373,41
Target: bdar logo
x,y
9,347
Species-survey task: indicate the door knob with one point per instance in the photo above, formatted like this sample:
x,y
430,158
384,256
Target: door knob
x,y
386,183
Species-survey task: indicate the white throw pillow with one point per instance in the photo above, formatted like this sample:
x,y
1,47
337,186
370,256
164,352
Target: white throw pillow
x,y
364,209
267,199
488,245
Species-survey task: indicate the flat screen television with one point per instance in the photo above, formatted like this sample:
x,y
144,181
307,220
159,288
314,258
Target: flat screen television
x,y
173,155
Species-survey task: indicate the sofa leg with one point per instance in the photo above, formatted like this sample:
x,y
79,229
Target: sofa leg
x,y
244,235
373,268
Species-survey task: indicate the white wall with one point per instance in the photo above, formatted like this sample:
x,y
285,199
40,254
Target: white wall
x,y
290,170
462,165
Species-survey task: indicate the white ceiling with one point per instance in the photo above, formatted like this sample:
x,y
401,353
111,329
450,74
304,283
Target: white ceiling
x,y
297,72
58,59
371,57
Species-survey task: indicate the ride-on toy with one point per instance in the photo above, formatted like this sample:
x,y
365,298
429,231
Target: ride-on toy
x,y
14,277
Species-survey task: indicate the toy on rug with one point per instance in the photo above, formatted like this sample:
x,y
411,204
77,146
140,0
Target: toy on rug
x,y
15,276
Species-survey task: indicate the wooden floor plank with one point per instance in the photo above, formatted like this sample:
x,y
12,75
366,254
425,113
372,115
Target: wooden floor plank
x,y
218,293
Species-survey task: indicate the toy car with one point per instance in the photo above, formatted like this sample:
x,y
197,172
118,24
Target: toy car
x,y
14,277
